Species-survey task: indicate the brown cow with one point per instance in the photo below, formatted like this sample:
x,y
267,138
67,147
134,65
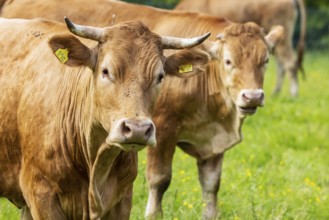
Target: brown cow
x,y
205,113
266,13
69,130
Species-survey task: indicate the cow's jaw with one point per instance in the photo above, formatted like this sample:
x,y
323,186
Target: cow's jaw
x,y
249,100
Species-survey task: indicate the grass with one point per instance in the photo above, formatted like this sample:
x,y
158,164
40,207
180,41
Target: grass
x,y
279,171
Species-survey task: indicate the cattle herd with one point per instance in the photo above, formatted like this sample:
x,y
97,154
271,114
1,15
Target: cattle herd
x,y
87,84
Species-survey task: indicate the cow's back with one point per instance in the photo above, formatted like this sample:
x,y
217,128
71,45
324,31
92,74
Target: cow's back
x,y
77,10
261,12
111,12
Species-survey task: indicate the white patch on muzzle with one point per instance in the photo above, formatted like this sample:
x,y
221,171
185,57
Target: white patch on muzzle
x,y
249,100
132,134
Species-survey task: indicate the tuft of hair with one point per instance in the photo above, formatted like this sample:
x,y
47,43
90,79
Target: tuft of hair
x,y
236,29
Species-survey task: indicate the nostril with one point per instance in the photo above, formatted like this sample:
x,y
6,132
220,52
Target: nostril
x,y
261,97
149,131
245,97
125,129
252,96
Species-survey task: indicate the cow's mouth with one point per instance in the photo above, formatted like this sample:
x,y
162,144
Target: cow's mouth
x,y
247,110
132,146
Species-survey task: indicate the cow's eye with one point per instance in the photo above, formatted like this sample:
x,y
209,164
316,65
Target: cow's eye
x,y
266,61
105,72
228,62
160,78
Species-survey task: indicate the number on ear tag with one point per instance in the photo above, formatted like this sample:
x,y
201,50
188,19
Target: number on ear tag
x,y
185,68
62,54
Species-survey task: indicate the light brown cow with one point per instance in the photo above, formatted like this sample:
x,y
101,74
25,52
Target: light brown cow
x,y
203,115
266,13
70,126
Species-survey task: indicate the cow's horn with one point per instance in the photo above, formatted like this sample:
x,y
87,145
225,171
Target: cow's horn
x,y
92,33
180,43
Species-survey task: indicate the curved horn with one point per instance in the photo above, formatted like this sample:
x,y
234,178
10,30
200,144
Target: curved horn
x,y
181,43
92,33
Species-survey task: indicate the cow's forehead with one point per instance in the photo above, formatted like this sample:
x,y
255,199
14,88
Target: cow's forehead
x,y
115,63
244,35
245,46
122,66
132,40
132,32
131,49
237,29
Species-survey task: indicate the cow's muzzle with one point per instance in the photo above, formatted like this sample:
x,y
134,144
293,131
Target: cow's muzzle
x,y
132,134
249,100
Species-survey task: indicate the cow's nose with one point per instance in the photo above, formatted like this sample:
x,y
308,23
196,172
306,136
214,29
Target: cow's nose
x,y
135,131
253,97
132,134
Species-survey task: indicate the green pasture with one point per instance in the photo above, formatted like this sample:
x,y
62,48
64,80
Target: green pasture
x,y
279,171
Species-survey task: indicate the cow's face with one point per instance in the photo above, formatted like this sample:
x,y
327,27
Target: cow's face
x,y
128,66
243,57
128,75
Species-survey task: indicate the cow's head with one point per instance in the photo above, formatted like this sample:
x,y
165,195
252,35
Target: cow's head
x,y
128,66
243,52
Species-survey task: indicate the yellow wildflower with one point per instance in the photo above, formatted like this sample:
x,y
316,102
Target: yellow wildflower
x,y
248,173
317,199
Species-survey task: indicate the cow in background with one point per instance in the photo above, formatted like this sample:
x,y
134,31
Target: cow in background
x,y
206,114
265,13
203,115
74,114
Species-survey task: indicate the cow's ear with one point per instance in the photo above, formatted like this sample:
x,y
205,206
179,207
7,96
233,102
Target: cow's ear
x,y
274,37
70,51
187,62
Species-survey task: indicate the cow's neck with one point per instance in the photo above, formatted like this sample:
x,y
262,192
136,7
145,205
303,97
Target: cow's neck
x,y
216,127
75,119
219,102
205,134
223,110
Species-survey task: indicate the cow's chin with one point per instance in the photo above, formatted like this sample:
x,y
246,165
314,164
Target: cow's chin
x,y
129,146
132,147
246,111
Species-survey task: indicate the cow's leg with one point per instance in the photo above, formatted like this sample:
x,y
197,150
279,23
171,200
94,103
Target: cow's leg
x,y
286,57
290,66
209,176
286,60
26,214
40,197
279,77
123,208
293,81
159,167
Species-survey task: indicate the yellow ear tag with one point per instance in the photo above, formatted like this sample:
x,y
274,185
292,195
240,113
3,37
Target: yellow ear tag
x,y
62,54
185,68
